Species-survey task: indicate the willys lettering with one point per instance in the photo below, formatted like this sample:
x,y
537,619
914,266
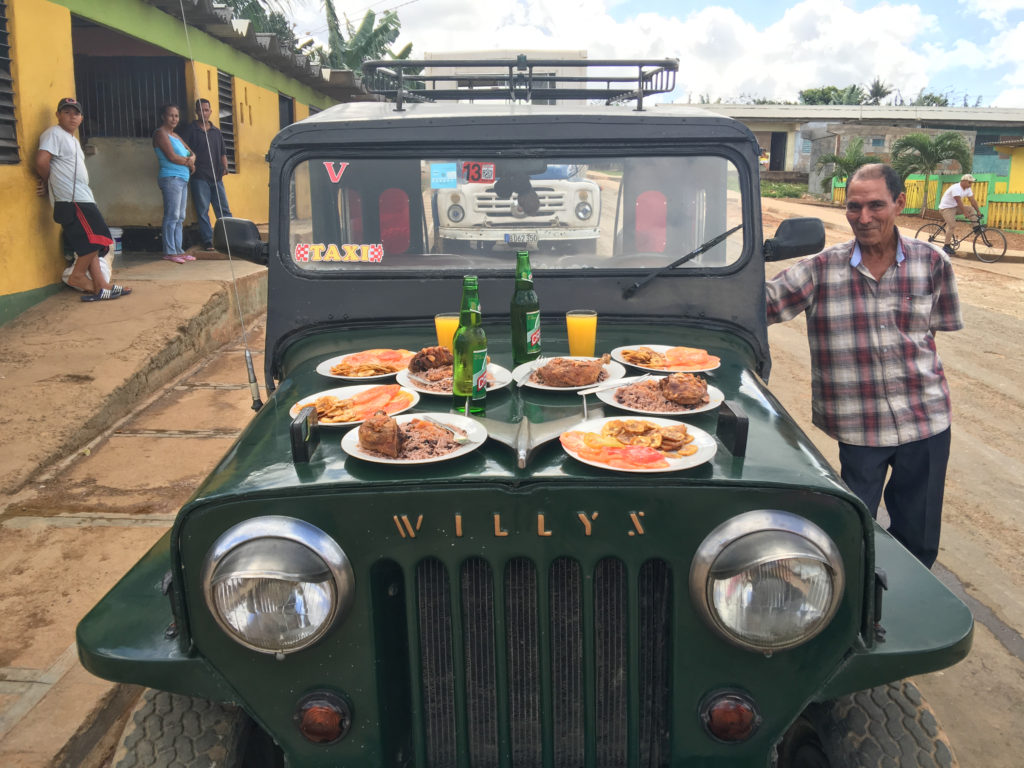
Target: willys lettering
x,y
583,523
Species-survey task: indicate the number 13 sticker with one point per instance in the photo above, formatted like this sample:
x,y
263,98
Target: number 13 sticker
x,y
478,173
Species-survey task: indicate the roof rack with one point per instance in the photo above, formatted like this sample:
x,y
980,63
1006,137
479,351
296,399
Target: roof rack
x,y
520,79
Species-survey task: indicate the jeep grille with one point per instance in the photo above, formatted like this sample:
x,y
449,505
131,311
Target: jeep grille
x,y
486,647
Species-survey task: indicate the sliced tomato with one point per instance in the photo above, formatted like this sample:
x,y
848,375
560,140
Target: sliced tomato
x,y
584,445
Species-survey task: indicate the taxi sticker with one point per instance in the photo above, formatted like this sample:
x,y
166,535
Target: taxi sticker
x,y
332,173
348,252
443,176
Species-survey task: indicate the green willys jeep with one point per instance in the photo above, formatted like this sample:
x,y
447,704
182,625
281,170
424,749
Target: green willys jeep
x,y
515,605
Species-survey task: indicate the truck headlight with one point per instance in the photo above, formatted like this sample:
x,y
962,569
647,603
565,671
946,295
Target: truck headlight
x,y
277,584
584,211
456,213
767,580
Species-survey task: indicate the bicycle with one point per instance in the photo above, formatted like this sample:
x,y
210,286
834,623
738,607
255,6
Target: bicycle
x,y
989,244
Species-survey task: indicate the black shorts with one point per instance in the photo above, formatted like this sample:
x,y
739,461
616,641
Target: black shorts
x,y
84,227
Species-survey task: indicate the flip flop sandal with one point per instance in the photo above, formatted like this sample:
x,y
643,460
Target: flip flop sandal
x,y
176,258
119,290
104,295
187,256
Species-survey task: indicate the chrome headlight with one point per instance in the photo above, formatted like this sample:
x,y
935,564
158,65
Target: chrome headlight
x,y
584,211
456,213
277,584
767,580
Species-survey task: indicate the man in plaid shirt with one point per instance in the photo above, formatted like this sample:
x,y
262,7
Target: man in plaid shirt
x,y
873,305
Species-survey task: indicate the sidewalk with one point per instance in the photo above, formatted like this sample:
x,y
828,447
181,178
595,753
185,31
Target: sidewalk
x,y
80,365
69,372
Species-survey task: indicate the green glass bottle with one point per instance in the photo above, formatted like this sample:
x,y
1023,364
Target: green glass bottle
x,y
524,311
470,352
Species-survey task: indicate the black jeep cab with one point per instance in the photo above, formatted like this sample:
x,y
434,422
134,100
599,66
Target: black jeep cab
x,y
513,605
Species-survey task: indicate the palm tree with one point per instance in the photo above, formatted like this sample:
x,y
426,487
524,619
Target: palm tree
x,y
921,153
877,91
847,162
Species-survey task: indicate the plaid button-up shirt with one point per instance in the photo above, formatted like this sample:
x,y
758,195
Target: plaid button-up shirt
x,y
876,378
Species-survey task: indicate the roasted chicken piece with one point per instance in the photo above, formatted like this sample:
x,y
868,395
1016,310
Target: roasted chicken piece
x,y
685,389
380,434
563,372
430,357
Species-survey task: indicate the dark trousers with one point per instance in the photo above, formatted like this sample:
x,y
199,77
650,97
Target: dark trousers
x,y
913,495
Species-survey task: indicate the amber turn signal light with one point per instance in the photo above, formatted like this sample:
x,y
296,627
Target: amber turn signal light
x,y
730,716
323,717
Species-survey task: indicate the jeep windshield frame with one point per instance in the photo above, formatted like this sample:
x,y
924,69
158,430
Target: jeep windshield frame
x,y
727,296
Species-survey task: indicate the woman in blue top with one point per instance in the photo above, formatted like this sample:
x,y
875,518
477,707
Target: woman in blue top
x,y
177,161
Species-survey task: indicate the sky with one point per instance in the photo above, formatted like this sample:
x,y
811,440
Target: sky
x,y
738,50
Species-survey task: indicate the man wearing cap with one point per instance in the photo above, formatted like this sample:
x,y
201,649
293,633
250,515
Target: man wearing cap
x,y
60,164
952,203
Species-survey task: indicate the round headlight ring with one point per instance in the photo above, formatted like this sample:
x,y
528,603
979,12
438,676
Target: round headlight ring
x,y
270,553
584,211
767,553
456,213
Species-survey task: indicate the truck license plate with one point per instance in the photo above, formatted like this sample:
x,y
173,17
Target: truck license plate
x,y
516,238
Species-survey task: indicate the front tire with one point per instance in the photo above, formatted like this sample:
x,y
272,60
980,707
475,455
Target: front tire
x,y
888,725
166,730
989,245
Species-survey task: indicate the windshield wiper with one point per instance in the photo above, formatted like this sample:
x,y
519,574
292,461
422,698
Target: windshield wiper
x,y
682,260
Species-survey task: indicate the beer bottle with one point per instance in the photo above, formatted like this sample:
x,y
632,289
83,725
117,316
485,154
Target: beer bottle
x,y
470,352
525,313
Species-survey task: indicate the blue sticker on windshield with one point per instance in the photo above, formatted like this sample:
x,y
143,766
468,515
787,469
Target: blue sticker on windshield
x,y
443,175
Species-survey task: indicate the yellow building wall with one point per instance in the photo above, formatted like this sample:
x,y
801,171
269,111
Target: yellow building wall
x,y
256,123
1016,182
31,256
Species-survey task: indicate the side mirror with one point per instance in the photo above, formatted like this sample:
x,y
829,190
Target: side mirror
x,y
795,237
244,239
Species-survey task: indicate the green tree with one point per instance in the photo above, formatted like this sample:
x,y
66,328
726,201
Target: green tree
x,y
372,39
826,94
921,153
877,91
847,162
274,21
929,99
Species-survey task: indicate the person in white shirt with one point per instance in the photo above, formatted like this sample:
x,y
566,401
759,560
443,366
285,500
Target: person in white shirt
x,y
60,164
952,203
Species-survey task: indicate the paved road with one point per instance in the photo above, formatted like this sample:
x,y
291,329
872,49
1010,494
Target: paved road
x,y
98,512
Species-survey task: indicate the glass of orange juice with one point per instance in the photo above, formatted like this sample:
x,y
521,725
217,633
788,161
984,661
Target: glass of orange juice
x,y
581,324
446,323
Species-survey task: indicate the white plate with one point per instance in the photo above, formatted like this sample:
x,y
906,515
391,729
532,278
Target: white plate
x,y
324,369
617,355
715,399
706,446
344,393
613,369
502,378
475,431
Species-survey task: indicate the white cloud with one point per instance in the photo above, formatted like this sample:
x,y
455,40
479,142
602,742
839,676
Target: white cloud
x,y
721,54
994,11
1008,48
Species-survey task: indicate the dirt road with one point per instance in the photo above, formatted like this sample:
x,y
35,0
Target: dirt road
x,y
982,551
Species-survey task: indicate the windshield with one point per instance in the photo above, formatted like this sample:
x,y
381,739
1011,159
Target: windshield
x,y
454,214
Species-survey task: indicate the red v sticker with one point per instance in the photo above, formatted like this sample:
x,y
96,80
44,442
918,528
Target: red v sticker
x,y
335,176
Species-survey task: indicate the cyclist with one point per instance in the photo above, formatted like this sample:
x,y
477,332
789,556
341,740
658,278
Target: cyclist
x,y
952,202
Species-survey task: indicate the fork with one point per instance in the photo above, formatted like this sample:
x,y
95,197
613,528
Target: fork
x,y
537,363
457,437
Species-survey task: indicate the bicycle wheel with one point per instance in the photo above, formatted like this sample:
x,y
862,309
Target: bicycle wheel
x,y
932,233
989,245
